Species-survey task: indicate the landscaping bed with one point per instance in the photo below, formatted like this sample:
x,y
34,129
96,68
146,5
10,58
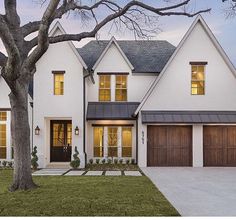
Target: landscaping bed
x,y
112,167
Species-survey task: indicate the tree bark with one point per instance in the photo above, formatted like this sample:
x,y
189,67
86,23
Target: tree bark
x,y
20,131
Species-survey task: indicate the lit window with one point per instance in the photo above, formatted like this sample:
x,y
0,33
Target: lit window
x,y
126,142
121,88
98,142
104,88
3,141
112,142
198,80
3,116
58,84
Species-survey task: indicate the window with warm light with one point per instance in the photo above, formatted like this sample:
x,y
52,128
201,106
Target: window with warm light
x,y
98,142
198,80
112,142
3,141
104,88
3,116
58,83
126,142
121,88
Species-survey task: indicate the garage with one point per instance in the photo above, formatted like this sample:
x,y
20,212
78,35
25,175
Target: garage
x,y
169,145
219,145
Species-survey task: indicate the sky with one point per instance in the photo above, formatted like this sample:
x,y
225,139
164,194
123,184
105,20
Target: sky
x,y
172,28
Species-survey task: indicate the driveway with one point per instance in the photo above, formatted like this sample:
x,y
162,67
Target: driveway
x,y
197,191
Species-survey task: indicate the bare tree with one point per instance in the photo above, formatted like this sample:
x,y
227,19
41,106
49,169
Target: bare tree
x,y
230,10
18,67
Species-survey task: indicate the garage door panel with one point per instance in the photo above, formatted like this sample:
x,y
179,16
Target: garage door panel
x,y
231,156
169,146
213,157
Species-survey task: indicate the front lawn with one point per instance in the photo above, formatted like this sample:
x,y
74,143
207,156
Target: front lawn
x,y
84,196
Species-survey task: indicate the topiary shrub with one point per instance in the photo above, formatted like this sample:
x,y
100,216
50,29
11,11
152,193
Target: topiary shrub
x,y
120,161
127,161
75,163
10,164
4,163
103,161
133,161
34,159
97,161
91,161
115,161
109,161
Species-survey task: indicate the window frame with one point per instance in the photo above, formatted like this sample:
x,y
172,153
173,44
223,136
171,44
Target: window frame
x,y
99,89
198,64
98,127
121,89
117,141
131,130
56,73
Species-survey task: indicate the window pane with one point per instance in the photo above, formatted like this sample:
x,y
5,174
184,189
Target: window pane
x,y
112,142
58,135
58,84
104,88
198,88
198,80
3,141
127,142
98,142
121,88
3,116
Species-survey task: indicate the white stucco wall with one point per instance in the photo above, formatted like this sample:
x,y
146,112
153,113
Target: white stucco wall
x,y
48,107
114,62
173,92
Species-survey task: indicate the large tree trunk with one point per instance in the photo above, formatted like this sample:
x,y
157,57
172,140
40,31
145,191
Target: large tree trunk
x,y
20,132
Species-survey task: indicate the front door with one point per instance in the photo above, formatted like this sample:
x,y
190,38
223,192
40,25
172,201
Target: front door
x,y
61,139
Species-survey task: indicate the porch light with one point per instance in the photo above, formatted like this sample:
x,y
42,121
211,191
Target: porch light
x,y
37,130
76,130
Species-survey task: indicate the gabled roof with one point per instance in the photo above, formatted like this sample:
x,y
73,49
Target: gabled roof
x,y
59,27
145,56
200,20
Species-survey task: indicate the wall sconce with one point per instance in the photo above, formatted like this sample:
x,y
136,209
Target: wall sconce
x,y
76,130
37,130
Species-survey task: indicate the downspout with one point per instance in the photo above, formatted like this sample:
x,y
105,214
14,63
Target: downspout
x,y
32,124
137,136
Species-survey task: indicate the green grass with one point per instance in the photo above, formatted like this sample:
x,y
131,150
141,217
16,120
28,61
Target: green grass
x,y
84,196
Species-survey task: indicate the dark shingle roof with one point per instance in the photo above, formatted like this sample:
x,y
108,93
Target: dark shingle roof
x,y
145,56
111,110
201,117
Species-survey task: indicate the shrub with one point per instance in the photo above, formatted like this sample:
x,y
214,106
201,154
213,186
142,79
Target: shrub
x,y
133,161
115,161
10,164
103,161
97,161
109,161
91,161
75,163
127,161
4,163
121,161
34,159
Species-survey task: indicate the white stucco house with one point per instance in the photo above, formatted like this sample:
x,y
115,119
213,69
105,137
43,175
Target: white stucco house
x,y
145,100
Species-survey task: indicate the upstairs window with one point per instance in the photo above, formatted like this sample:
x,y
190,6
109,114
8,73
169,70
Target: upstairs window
x,y
198,78
3,116
104,88
121,88
58,83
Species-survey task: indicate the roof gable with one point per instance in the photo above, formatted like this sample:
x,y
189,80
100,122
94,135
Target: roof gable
x,y
198,20
58,29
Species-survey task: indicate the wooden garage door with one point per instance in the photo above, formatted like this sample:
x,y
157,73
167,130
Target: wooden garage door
x,y
219,145
169,146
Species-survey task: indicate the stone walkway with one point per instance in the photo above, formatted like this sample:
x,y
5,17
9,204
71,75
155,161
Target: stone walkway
x,y
67,172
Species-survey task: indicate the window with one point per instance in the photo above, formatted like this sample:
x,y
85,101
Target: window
x,y
58,83
98,142
3,141
104,88
126,142
3,116
121,88
198,80
112,142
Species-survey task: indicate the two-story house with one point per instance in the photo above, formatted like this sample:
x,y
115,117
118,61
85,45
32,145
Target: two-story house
x,y
145,100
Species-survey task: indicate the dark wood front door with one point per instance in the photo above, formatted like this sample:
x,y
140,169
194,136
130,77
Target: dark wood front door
x,y
61,139
169,146
219,144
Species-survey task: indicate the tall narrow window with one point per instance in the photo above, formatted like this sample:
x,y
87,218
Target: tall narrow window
x,y
104,88
121,88
126,142
198,80
58,83
3,116
3,141
98,142
112,142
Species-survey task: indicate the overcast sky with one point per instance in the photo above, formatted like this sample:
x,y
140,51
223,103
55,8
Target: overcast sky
x,y
172,28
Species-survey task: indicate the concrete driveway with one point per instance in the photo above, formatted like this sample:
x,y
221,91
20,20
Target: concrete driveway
x,y
197,191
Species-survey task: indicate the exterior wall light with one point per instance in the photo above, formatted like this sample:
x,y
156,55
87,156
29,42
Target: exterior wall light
x,y
37,130
76,130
